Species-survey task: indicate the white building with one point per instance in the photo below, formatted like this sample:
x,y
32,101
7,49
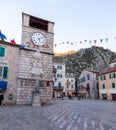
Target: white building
x,y
69,84
59,79
63,83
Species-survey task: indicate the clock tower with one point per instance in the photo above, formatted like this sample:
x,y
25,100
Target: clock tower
x,y
37,34
37,31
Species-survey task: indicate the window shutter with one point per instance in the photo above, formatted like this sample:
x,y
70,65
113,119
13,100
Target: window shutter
x,y
110,76
101,77
88,78
104,77
113,85
114,75
59,85
5,72
2,51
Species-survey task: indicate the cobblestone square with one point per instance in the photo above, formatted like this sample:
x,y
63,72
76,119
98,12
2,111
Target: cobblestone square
x,y
64,114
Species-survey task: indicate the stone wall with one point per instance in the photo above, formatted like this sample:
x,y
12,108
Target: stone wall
x,y
26,38
27,59
26,80
11,60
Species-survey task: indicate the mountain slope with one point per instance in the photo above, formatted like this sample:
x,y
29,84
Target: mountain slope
x,y
94,58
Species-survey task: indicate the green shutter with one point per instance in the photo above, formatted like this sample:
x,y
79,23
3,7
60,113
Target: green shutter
x,y
59,85
2,51
5,72
57,75
104,77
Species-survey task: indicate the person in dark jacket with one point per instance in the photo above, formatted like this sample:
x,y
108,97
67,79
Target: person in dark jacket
x,y
1,98
62,95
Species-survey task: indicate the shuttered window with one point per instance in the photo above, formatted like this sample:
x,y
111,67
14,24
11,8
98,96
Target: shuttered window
x,y
5,72
60,67
113,85
2,51
59,85
103,86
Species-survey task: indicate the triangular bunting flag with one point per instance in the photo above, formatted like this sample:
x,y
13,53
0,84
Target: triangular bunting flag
x,y
101,40
95,41
106,39
90,42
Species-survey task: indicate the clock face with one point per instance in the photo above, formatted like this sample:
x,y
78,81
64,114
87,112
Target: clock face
x,y
38,39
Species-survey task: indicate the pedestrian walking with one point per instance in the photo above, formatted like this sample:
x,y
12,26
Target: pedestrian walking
x,y
1,98
79,96
62,96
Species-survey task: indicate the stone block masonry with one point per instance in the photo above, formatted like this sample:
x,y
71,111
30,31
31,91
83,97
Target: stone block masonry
x,y
10,60
26,80
27,61
26,88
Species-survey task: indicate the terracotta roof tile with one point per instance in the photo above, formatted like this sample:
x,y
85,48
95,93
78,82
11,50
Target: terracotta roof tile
x,y
107,70
113,61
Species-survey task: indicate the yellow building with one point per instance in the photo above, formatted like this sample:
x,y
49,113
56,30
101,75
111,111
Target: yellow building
x,y
107,82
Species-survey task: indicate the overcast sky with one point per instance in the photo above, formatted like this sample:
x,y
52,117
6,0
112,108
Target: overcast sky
x,y
76,21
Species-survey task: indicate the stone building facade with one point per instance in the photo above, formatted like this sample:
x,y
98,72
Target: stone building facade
x,y
59,79
9,58
88,86
107,82
26,79
20,58
63,82
69,84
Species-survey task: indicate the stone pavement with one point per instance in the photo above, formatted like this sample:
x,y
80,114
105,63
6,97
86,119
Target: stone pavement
x,y
65,114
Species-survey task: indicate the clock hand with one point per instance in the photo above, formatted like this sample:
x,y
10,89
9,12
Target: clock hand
x,y
40,37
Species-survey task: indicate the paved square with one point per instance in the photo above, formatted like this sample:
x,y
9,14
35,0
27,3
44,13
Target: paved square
x,y
64,114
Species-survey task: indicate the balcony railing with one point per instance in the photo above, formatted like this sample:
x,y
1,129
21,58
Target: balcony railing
x,y
58,87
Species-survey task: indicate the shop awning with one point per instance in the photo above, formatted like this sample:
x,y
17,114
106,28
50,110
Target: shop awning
x,y
3,85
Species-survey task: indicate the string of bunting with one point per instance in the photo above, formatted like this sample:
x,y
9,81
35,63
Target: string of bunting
x,y
2,36
35,46
85,41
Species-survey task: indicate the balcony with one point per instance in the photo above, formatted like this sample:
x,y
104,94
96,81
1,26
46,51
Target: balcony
x,y
58,87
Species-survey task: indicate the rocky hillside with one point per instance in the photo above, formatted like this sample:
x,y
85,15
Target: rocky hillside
x,y
94,58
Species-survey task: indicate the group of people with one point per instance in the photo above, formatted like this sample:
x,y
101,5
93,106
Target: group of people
x,y
1,98
71,96
76,96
